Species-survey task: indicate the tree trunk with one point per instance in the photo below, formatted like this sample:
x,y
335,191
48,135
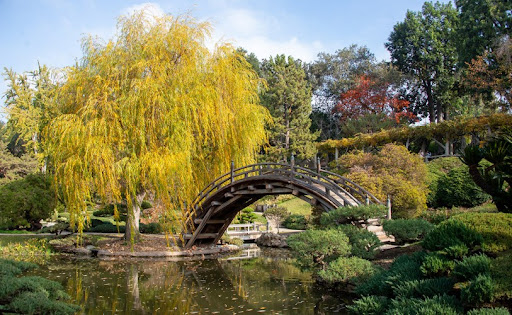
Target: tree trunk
x,y
430,102
132,232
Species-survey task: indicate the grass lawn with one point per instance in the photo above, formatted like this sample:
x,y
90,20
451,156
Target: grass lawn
x,y
296,206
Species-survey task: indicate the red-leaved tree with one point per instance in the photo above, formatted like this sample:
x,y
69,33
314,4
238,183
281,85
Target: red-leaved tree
x,y
372,97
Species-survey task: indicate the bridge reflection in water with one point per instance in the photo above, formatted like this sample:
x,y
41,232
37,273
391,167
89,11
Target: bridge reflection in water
x,y
217,205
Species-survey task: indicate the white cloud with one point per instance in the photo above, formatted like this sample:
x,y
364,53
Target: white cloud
x,y
150,8
253,31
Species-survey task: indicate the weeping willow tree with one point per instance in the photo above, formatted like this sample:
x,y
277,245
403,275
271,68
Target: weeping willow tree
x,y
152,111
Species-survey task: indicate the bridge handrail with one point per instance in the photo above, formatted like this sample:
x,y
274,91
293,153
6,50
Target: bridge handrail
x,y
219,181
360,190
291,171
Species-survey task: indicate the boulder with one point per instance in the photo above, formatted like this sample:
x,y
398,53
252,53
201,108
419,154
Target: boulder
x,y
272,240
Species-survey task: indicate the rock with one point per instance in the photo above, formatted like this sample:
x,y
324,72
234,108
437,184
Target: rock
x,y
272,240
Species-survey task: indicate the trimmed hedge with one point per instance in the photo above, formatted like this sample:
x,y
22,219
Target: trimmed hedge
x,y
495,228
407,230
451,233
346,269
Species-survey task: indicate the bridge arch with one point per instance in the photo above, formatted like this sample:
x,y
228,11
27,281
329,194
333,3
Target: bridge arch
x,y
217,205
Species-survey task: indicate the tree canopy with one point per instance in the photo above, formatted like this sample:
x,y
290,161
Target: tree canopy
x,y
289,102
152,111
423,46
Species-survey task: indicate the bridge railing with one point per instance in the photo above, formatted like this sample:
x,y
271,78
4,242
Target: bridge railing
x,y
333,183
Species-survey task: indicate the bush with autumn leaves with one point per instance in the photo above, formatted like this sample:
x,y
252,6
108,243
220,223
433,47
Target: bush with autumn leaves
x,y
392,171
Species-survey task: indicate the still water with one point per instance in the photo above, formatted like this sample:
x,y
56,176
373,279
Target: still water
x,y
269,283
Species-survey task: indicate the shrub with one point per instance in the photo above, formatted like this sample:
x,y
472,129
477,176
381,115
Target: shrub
x,y
108,211
107,227
500,273
457,189
247,215
150,228
30,295
451,233
146,205
404,268
436,216
436,169
25,202
350,214
495,228
232,240
393,171
445,304
32,250
455,251
407,230
479,290
471,267
364,243
276,215
489,311
295,222
314,247
423,287
345,269
436,265
370,305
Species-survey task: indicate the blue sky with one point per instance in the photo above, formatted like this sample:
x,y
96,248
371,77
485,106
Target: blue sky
x,y
49,31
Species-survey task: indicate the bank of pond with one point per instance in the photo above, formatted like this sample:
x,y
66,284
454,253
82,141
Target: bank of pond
x,y
449,264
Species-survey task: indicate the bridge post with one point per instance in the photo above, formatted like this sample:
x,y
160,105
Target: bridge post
x,y
292,162
318,166
389,208
232,171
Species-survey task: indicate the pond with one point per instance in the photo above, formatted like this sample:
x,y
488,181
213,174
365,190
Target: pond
x,y
269,283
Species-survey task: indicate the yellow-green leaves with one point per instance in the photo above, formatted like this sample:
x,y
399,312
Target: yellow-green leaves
x,y
153,110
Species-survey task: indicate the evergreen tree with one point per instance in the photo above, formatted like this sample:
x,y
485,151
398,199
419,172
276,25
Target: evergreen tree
x,y
288,99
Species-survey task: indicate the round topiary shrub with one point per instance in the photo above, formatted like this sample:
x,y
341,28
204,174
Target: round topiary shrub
x,y
471,267
480,290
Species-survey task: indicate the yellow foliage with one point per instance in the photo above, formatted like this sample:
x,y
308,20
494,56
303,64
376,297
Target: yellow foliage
x,y
153,110
450,129
394,172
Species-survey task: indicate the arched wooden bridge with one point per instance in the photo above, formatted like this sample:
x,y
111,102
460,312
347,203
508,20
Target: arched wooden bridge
x,y
217,205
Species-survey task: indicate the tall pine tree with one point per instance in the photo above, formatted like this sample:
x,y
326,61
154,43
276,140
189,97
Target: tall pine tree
x,y
288,99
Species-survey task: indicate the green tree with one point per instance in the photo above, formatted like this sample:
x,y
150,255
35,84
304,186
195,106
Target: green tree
x,y
29,106
152,111
288,99
423,47
482,25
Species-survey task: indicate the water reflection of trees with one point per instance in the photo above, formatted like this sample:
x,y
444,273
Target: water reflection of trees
x,y
140,287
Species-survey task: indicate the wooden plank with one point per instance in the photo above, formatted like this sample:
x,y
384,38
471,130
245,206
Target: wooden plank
x,y
216,203
228,195
264,191
200,228
221,221
200,236
227,203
